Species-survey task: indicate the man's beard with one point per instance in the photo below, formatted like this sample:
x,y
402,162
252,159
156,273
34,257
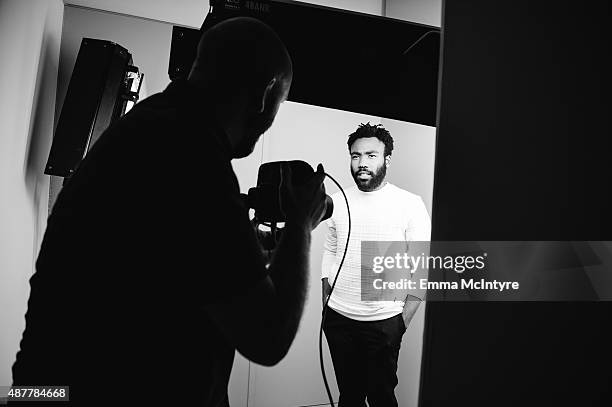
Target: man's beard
x,y
375,180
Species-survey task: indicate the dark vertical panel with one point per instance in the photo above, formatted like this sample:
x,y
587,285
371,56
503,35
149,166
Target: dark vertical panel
x,y
522,154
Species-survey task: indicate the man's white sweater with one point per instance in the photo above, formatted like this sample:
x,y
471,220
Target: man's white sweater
x,y
388,214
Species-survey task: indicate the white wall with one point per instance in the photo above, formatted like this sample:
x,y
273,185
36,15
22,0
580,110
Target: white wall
x,y
418,11
362,6
190,13
29,44
315,135
318,135
147,41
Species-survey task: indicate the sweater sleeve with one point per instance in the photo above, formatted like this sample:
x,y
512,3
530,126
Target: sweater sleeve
x,y
329,250
419,230
419,223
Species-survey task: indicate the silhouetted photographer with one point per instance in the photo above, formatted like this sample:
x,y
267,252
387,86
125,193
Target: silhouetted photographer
x,y
150,275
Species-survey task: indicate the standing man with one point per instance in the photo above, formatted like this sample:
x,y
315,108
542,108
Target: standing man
x,y
364,337
150,276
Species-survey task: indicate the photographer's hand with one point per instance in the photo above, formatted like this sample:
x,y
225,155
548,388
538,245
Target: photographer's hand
x,y
303,204
325,289
274,307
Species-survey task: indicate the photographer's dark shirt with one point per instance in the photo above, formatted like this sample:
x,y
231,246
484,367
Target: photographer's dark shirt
x,y
149,230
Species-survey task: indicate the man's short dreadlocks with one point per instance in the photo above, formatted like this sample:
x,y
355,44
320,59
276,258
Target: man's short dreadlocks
x,y
377,130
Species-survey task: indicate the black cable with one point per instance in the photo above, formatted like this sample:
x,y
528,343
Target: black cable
x,y
331,401
419,40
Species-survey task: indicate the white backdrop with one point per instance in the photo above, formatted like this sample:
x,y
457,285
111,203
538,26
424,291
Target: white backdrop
x,y
318,135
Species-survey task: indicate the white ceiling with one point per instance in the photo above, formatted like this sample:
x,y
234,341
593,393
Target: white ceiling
x,y
191,13
181,12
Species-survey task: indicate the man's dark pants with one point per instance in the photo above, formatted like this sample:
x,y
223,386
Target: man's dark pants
x,y
364,354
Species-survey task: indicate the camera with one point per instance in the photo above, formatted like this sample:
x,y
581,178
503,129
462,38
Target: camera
x,y
265,197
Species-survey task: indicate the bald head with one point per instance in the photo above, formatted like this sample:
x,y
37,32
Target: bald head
x,y
240,52
245,68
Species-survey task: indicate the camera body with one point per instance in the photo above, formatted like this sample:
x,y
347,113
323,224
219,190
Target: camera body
x,y
265,197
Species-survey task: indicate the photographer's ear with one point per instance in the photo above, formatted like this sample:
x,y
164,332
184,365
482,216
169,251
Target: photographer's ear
x,y
266,98
388,160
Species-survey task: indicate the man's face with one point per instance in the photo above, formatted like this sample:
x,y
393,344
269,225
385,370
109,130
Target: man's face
x,y
260,122
368,164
